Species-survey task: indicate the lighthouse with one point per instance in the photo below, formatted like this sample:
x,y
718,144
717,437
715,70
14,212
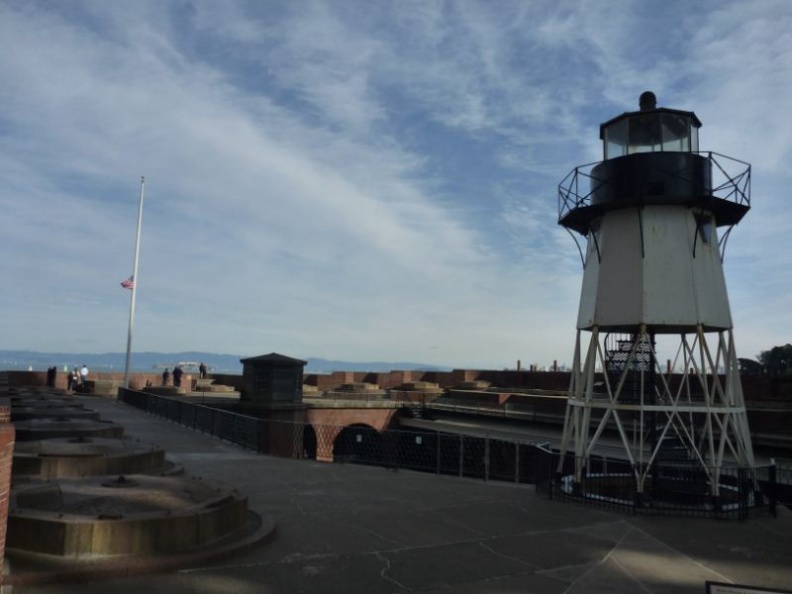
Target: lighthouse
x,y
655,378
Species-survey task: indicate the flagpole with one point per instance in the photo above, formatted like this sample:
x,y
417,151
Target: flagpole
x,y
134,285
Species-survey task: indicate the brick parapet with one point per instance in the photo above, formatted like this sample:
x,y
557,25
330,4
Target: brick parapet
x,y
5,409
7,439
756,388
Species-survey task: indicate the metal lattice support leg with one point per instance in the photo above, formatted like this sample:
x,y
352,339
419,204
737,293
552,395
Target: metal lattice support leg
x,y
696,417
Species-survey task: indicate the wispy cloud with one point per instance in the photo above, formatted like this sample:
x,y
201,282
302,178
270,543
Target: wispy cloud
x,y
351,180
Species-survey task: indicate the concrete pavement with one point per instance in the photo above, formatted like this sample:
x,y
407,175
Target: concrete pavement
x,y
347,528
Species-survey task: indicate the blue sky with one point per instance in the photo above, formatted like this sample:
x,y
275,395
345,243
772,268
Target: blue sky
x,y
358,180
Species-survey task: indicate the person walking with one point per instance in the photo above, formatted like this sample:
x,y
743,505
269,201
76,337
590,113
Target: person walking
x,y
177,375
83,375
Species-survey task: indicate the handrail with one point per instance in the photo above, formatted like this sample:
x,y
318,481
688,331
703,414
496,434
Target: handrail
x,y
731,182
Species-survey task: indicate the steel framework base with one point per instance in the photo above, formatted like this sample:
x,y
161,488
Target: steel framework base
x,y
638,411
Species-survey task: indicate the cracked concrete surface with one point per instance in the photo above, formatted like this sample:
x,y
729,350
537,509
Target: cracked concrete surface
x,y
346,528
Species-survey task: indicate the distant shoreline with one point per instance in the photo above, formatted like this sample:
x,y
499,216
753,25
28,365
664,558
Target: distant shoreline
x,y
155,362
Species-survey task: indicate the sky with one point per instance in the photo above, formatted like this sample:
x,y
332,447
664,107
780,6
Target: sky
x,y
359,180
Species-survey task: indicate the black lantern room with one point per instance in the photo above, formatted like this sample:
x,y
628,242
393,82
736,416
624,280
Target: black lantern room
x,y
651,157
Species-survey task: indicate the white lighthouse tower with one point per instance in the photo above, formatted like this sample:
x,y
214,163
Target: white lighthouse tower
x,y
655,215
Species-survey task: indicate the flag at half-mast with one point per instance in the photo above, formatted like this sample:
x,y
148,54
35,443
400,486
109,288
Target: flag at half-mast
x,y
129,283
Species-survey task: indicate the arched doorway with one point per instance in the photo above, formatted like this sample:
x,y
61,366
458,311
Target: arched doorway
x,y
358,443
309,442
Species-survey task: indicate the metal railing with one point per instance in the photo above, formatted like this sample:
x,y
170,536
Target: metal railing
x,y
674,490
426,451
671,489
238,429
731,181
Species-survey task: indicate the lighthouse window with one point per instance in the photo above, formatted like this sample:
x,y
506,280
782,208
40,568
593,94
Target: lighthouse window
x,y
645,134
651,132
676,133
616,140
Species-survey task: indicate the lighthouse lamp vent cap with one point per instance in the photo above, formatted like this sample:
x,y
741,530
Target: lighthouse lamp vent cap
x,y
647,101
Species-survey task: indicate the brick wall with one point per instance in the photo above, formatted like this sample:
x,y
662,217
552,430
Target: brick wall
x,y
7,439
330,422
756,388
543,380
378,418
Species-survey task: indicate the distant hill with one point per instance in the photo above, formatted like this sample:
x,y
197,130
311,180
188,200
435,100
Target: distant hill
x,y
148,361
328,365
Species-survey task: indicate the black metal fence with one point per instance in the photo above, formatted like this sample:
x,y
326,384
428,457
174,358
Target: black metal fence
x,y
443,453
238,429
426,451
671,489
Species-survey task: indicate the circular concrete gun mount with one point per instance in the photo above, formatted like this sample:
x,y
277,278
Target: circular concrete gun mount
x,y
25,413
89,456
36,429
111,518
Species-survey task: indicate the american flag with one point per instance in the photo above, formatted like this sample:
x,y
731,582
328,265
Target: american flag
x,y
129,283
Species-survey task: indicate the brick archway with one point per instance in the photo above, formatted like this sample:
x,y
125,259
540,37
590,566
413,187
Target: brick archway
x,y
329,423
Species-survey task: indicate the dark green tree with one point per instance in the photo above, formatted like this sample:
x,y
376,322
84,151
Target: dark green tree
x,y
750,367
778,360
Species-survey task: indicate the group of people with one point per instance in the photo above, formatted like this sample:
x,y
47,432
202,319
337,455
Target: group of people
x,y
76,378
178,372
177,375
